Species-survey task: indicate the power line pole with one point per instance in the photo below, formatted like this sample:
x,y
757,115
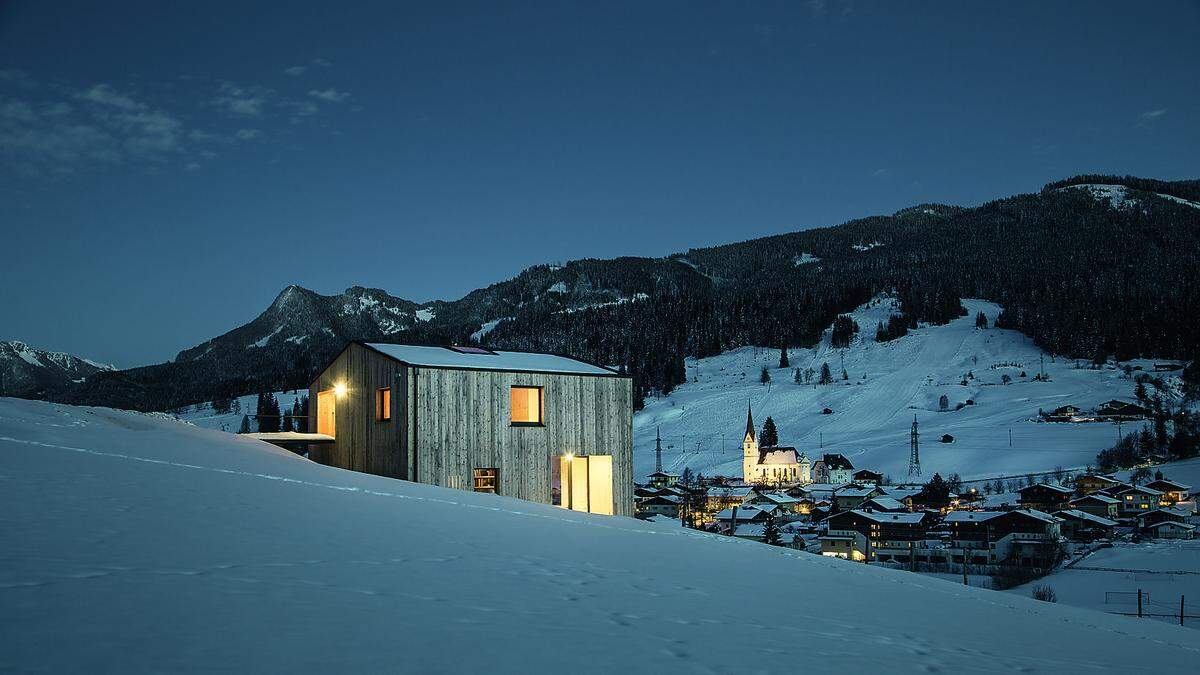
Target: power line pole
x,y
914,455
657,450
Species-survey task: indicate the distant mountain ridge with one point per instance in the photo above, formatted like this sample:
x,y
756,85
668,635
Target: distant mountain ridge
x,y
1081,273
29,372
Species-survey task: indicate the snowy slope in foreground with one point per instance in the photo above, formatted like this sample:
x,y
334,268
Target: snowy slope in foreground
x,y
872,417
137,543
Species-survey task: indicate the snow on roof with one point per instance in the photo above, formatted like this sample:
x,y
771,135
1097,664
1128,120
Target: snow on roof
x,y
1095,496
886,503
907,518
971,516
855,491
1171,523
778,456
1167,485
1051,486
445,357
1084,515
1139,488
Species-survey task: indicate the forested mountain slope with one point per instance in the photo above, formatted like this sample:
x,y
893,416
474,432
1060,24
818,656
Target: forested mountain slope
x,y
1091,265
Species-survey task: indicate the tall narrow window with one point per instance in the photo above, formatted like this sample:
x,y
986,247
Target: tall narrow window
x,y
326,412
383,404
526,406
487,480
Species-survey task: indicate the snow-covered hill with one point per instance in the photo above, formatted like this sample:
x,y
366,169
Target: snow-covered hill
x,y
203,414
888,383
26,371
137,543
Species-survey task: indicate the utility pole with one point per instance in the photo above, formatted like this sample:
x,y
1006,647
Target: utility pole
x,y
1139,603
1181,610
1010,437
914,455
657,450
966,557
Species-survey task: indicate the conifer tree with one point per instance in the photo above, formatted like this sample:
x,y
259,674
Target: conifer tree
x,y
245,428
769,437
981,320
783,356
826,376
771,531
765,376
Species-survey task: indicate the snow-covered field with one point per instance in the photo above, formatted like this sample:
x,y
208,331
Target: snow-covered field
x,y
873,409
1165,569
138,543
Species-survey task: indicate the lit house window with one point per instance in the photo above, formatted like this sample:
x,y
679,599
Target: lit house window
x,y
383,404
526,406
487,480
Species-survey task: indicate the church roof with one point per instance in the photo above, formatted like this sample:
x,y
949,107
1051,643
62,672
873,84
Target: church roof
x,y
778,456
749,422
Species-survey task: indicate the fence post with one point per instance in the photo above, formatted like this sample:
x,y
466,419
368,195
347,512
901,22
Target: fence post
x,y
1180,610
1139,603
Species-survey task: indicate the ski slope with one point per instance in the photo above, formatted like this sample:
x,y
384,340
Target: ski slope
x,y
888,383
139,543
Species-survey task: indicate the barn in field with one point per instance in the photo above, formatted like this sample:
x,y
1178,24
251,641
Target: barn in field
x,y
540,427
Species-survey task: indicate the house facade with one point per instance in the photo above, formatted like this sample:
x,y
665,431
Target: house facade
x,y
873,537
540,427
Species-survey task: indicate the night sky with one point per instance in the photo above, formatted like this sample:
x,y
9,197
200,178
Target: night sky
x,y
165,171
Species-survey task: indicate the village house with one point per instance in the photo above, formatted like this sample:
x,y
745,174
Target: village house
x,y
1067,413
660,505
540,427
1025,537
1172,492
1097,504
1121,411
867,477
1083,526
773,465
1086,485
873,536
836,469
1044,497
1149,519
1135,499
661,479
852,496
884,504
1169,529
780,501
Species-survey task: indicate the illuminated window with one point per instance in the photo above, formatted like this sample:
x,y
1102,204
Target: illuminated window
x,y
383,404
487,480
526,406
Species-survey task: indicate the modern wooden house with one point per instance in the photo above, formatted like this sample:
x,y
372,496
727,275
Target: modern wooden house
x,y
540,427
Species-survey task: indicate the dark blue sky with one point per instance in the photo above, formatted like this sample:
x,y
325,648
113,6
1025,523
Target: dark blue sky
x,y
165,171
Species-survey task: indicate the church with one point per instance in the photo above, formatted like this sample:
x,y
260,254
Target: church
x,y
771,465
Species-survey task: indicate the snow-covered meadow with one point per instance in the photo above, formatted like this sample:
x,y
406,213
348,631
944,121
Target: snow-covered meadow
x,y
139,543
888,383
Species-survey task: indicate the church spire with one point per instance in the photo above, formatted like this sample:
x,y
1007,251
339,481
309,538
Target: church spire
x,y
749,421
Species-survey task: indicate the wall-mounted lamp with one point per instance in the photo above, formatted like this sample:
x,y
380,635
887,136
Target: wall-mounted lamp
x,y
339,389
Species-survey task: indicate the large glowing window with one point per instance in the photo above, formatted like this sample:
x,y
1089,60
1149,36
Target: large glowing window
x,y
327,412
526,406
582,483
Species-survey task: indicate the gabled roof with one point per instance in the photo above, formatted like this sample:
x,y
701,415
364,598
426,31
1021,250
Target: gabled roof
x,y
885,504
1051,486
1100,477
856,491
482,359
1166,485
835,461
1084,515
778,456
971,516
1172,523
880,517
1138,488
1096,497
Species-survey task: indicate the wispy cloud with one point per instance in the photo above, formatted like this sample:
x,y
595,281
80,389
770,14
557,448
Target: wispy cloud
x,y
104,94
321,62
245,101
247,134
1149,117
295,71
331,95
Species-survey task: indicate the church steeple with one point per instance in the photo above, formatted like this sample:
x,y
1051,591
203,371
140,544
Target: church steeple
x,y
749,423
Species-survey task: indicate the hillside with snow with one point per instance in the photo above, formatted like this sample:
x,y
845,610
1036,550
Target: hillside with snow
x,y
888,384
139,543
